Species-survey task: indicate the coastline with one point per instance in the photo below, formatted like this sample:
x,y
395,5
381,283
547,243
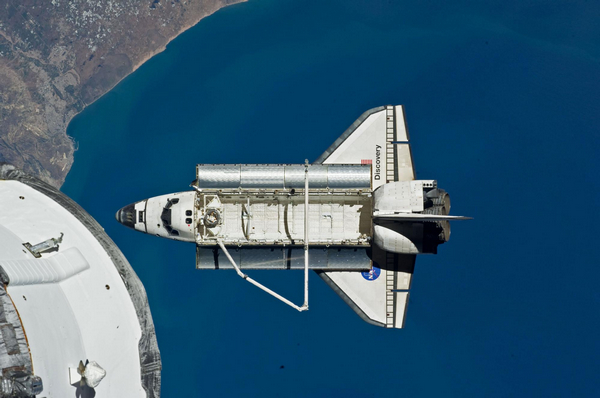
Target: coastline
x,y
46,83
169,40
137,65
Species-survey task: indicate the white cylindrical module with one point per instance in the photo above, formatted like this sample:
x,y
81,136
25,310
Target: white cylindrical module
x,y
294,176
283,176
218,175
317,175
261,176
348,176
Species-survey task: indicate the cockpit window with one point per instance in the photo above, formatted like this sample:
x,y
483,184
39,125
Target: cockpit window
x,y
165,217
171,202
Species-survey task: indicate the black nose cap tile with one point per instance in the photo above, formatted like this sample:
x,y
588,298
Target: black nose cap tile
x,y
126,215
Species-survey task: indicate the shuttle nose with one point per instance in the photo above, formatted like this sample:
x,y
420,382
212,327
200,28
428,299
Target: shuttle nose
x,y
126,216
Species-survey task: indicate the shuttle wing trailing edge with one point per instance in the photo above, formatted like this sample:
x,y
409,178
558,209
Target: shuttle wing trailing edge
x,y
357,216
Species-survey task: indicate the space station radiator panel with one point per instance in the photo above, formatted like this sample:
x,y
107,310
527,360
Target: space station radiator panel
x,y
321,258
283,176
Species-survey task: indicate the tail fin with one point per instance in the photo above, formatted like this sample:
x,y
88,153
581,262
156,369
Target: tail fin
x,y
417,217
379,296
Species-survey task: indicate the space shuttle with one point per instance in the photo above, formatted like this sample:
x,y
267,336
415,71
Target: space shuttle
x,y
356,216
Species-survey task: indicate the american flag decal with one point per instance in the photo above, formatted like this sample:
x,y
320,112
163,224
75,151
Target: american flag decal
x,y
366,161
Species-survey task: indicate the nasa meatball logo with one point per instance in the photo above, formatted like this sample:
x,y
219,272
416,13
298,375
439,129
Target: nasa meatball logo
x,y
372,274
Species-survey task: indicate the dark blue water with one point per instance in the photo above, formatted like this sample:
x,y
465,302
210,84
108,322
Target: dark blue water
x,y
502,102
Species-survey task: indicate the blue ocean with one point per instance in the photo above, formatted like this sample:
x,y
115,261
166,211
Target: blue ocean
x,y
502,101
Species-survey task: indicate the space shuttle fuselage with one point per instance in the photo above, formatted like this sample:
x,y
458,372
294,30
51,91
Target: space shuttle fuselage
x,y
263,205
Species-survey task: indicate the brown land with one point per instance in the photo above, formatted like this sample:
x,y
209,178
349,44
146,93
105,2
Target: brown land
x,y
58,56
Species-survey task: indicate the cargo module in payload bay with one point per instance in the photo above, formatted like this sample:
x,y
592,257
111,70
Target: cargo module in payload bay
x,y
356,216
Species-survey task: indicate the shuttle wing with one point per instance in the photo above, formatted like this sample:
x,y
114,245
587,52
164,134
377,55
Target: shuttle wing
x,y
378,137
379,296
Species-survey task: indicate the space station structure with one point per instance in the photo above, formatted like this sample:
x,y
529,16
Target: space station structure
x,y
356,216
74,316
